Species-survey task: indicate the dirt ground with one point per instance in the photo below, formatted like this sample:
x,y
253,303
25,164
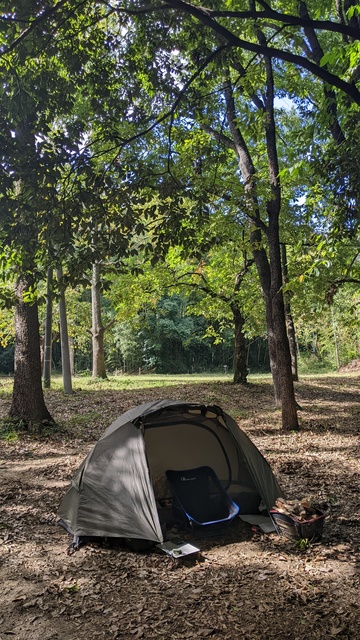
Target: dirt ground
x,y
245,585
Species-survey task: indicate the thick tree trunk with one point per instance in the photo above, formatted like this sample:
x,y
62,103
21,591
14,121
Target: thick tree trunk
x,y
240,352
97,330
28,402
288,402
283,360
279,353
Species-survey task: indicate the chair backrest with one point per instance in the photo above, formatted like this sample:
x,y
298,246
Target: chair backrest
x,y
200,494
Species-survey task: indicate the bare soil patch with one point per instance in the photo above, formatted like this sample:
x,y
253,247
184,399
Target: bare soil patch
x,y
247,585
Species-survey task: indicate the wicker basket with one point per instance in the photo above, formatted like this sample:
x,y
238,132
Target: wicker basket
x,y
294,529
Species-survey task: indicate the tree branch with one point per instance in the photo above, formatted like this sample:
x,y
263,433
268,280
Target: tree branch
x,y
267,13
323,25
316,52
180,96
219,136
204,16
35,23
235,64
109,324
203,287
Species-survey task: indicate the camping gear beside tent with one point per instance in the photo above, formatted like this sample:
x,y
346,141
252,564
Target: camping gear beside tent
x,y
297,519
292,528
199,499
121,491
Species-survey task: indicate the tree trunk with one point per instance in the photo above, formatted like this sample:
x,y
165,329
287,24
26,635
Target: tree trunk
x,y
288,402
273,206
248,173
336,343
283,360
240,352
263,269
269,270
292,342
288,316
97,330
28,402
72,355
64,339
48,333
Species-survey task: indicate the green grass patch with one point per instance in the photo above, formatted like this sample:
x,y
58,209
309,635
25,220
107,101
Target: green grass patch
x,y
147,381
10,430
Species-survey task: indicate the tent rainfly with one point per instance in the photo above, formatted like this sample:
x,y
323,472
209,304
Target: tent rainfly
x,y
120,490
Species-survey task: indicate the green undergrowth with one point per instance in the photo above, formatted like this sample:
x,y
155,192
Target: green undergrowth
x,y
11,430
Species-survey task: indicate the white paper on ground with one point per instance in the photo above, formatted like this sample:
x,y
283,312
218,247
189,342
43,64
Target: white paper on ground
x,y
263,522
177,550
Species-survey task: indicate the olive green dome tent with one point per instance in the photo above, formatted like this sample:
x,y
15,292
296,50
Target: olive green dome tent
x,y
120,489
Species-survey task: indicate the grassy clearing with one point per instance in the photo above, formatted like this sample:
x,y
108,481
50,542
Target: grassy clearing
x,y
128,382
150,381
219,388
123,383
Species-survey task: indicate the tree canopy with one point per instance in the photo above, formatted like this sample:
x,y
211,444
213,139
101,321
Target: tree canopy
x,y
128,128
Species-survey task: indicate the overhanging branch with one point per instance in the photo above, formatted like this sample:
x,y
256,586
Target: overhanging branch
x,y
33,25
204,16
322,25
267,13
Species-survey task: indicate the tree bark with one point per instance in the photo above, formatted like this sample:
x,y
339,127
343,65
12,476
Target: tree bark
x,y
28,403
97,330
283,360
240,352
64,339
72,355
288,316
48,333
270,272
263,269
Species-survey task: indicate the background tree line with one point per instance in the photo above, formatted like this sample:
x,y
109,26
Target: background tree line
x,y
168,338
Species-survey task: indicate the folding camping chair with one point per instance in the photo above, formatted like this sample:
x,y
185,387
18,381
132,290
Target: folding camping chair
x,y
199,500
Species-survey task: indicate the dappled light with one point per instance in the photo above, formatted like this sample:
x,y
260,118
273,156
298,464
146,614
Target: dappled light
x,y
180,198
244,584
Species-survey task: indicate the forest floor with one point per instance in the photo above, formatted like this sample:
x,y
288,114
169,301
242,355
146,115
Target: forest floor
x,y
245,586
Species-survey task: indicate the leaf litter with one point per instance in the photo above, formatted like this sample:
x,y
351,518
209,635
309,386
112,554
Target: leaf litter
x,y
244,585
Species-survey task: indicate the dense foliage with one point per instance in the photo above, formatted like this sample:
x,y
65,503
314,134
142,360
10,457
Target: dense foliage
x,y
177,147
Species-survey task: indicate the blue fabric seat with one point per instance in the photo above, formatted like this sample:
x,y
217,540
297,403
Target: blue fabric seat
x,y
199,498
